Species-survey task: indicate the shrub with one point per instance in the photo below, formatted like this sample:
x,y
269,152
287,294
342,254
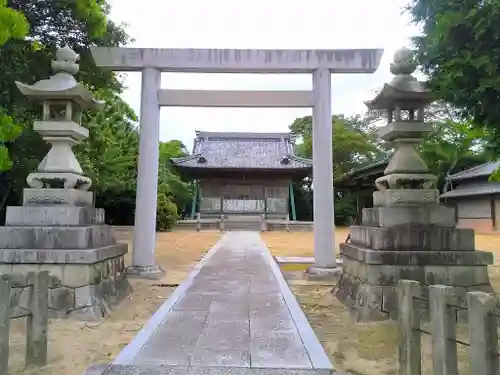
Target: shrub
x,y
166,213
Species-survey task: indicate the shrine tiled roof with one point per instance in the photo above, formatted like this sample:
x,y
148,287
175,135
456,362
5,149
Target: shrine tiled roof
x,y
264,151
473,181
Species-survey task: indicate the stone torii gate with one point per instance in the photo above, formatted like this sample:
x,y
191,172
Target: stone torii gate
x,y
152,62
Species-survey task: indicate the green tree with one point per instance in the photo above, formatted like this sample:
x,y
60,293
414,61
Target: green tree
x,y
453,147
51,24
170,183
459,52
13,25
109,156
353,146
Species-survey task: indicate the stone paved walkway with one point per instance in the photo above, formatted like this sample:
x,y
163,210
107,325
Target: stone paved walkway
x,y
234,310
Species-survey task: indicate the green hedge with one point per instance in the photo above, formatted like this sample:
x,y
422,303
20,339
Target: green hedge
x,y
166,213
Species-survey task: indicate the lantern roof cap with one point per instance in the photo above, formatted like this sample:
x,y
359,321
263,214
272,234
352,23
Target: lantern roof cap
x,y
62,85
404,91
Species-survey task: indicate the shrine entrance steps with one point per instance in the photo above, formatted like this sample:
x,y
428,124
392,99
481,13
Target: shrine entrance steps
x,y
242,223
234,314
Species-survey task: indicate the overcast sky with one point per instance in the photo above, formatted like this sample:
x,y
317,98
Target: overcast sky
x,y
291,24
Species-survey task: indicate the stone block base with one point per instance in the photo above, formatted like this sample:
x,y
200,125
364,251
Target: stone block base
x,y
369,277
66,197
429,214
87,284
56,237
394,197
370,302
59,230
146,272
56,215
412,237
314,273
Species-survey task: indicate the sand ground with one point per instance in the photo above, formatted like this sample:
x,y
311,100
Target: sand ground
x,y
360,348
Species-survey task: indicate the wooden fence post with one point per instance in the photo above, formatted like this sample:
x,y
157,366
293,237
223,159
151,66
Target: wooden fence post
x,y
483,333
221,223
409,361
443,328
198,223
36,323
5,287
263,223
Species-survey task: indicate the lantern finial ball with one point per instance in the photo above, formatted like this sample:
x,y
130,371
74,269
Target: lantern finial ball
x,y
404,63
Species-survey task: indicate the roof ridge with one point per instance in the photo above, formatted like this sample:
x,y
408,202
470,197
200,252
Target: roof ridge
x,y
475,168
468,170
299,158
186,158
242,135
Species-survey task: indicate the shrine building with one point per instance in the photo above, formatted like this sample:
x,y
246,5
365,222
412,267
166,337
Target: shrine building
x,y
243,174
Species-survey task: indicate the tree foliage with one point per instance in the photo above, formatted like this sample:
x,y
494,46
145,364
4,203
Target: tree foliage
x,y
459,51
170,183
453,146
353,145
109,156
51,25
13,25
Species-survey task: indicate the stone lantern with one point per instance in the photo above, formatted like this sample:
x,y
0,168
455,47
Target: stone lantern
x,y
407,234
58,229
406,179
63,100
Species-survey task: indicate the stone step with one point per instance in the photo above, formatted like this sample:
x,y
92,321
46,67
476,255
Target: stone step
x,y
416,258
56,215
56,237
430,214
60,256
413,237
242,226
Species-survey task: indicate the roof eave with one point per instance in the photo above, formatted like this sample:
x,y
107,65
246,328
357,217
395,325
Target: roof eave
x,y
390,95
358,173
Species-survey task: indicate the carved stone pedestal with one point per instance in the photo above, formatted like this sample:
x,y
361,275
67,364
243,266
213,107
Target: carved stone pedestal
x,y
58,230
427,248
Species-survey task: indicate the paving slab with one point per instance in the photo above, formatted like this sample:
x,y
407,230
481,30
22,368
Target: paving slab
x,y
234,314
211,370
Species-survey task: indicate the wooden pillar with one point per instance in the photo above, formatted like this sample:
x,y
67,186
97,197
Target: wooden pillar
x,y
265,201
493,213
292,202
195,199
